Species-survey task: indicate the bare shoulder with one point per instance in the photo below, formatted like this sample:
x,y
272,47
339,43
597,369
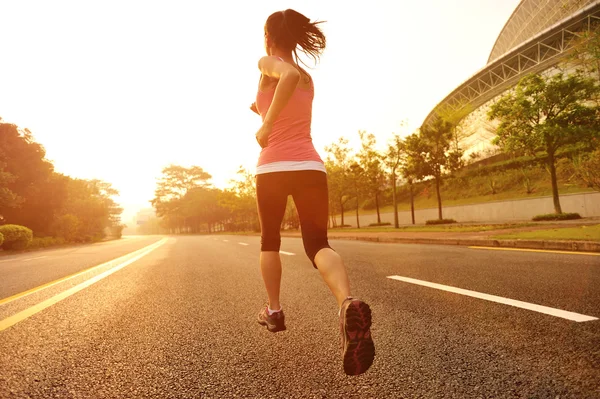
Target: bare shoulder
x,y
268,62
275,67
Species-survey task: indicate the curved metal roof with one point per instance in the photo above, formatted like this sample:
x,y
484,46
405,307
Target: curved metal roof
x,y
535,54
530,18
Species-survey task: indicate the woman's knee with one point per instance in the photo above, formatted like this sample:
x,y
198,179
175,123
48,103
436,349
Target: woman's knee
x,y
312,249
270,243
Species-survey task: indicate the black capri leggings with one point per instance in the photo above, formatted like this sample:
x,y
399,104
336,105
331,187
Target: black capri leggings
x,y
308,188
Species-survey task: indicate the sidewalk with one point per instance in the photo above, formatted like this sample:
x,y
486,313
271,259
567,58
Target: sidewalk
x,y
480,238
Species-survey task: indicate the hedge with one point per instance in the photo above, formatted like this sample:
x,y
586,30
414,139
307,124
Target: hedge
x,y
46,242
440,221
557,216
15,237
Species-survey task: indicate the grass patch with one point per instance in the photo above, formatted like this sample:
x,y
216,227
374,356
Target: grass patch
x,y
437,228
424,203
582,233
467,190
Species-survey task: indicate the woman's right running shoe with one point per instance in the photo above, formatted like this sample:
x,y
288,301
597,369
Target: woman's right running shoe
x,y
357,343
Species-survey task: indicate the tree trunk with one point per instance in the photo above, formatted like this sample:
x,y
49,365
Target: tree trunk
x,y
331,216
377,206
412,202
357,219
342,210
555,198
439,197
395,199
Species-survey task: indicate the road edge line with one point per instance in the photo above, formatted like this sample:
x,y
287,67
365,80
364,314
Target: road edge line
x,y
42,287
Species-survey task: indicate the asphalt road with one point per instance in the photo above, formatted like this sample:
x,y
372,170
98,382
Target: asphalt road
x,y
180,322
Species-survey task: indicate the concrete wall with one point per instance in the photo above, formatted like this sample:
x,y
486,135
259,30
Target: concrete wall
x,y
586,204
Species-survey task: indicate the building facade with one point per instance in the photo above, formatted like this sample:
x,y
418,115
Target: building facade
x,y
537,37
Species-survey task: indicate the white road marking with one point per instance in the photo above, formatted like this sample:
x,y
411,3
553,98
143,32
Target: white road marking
x,y
39,257
498,299
22,260
225,240
243,243
110,263
14,319
287,253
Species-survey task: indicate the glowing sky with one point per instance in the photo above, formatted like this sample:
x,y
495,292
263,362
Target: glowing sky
x,y
116,90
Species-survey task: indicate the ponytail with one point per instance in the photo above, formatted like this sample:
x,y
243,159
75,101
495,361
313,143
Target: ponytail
x,y
291,30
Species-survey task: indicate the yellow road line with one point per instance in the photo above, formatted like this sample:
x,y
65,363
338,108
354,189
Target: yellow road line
x,y
60,280
539,250
12,320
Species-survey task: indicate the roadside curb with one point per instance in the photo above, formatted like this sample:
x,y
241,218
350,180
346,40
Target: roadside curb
x,y
549,245
575,246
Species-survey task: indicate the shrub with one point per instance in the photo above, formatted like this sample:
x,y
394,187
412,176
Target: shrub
x,y
556,216
440,221
117,231
380,224
587,169
15,237
45,242
66,226
1,239
527,181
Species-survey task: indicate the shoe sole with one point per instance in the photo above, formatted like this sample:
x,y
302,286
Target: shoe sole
x,y
359,352
272,328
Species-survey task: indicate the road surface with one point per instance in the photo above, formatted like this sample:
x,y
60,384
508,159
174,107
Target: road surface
x,y
175,317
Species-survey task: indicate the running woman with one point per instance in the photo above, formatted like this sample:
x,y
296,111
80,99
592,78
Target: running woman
x,y
290,165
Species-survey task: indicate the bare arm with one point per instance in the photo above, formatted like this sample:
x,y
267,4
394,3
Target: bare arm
x,y
288,77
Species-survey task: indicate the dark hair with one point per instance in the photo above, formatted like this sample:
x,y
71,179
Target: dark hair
x,y
289,30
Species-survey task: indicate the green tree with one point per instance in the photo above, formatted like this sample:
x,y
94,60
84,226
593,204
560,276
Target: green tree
x,y
433,155
240,199
176,181
8,199
545,114
585,53
105,192
25,174
410,168
357,181
371,162
67,227
203,206
338,169
395,159
88,210
49,203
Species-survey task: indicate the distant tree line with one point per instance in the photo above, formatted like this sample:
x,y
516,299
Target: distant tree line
x,y
50,204
186,202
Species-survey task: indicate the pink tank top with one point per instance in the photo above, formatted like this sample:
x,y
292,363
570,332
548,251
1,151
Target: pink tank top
x,y
291,138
